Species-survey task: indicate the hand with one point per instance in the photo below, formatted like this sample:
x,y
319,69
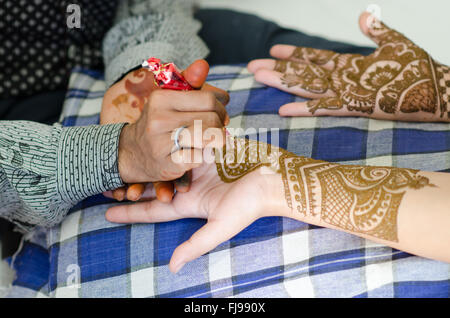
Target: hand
x,y
124,102
228,207
399,81
146,148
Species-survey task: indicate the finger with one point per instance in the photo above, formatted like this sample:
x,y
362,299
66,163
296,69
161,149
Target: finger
x,y
108,194
164,191
378,32
135,191
149,193
324,58
196,73
222,96
192,101
204,240
183,184
258,64
206,133
188,101
207,119
119,194
319,107
143,212
314,85
333,107
183,160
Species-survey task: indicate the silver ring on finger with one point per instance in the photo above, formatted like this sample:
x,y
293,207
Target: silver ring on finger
x,y
176,138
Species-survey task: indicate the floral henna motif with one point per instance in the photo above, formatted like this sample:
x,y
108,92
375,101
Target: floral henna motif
x,y
140,90
354,198
398,77
324,103
121,99
310,77
318,57
241,156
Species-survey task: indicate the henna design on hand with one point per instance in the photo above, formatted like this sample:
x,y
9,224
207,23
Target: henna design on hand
x,y
359,199
140,90
241,156
121,99
399,77
309,77
125,100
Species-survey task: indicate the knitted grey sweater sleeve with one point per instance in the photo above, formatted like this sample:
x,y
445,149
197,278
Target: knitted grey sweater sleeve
x,y
45,170
164,29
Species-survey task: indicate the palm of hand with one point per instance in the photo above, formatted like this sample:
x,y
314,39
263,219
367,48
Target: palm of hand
x,y
228,208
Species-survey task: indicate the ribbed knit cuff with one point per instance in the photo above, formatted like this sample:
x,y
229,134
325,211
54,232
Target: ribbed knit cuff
x,y
88,161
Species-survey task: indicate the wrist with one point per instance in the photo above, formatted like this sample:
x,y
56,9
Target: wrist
x,y
274,199
87,161
126,156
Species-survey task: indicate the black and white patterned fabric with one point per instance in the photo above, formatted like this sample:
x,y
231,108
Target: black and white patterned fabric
x,y
38,48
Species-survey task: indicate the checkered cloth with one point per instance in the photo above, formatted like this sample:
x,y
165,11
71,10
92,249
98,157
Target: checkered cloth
x,y
86,256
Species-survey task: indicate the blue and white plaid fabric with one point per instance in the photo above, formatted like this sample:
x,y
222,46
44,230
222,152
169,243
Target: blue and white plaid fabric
x,y
86,256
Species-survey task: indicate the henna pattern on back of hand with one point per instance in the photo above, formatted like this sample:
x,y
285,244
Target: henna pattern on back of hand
x,y
399,77
138,89
360,199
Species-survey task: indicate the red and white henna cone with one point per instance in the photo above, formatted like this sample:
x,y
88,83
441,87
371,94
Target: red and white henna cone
x,y
167,75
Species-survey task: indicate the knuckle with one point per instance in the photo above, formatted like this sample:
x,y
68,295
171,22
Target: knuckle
x,y
171,174
209,118
156,98
155,124
152,103
210,99
214,120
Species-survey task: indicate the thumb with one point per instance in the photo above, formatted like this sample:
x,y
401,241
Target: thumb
x,y
378,32
206,239
201,242
196,74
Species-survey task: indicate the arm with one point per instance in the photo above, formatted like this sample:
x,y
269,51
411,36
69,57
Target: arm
x,y
403,208
45,170
165,29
